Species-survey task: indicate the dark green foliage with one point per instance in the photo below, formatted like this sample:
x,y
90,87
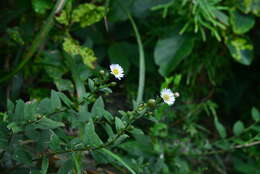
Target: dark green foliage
x,y
62,112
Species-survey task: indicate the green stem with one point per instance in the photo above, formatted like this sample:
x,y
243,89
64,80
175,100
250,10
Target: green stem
x,y
141,62
38,41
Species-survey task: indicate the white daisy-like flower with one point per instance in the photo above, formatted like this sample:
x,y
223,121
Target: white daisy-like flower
x,y
117,71
168,96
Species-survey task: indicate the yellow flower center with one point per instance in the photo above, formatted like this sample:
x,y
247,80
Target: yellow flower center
x,y
115,71
166,97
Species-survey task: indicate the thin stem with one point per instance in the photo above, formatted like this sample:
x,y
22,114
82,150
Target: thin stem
x,y
141,62
38,41
240,146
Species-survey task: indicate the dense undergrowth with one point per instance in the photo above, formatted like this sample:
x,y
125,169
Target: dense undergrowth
x,y
64,109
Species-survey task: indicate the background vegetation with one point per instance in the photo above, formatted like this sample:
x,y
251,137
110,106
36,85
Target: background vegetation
x,y
54,120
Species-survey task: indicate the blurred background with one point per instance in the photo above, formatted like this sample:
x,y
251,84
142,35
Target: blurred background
x,y
207,50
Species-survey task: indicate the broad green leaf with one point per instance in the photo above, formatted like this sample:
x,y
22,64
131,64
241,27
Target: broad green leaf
x,y
64,85
106,90
118,7
118,158
88,14
55,142
120,139
122,53
44,106
73,48
55,101
21,155
45,165
55,67
171,50
108,116
65,99
241,49
250,6
241,23
10,106
238,128
97,109
30,110
141,8
255,114
40,6
119,124
220,128
19,111
14,127
108,130
46,123
90,137
91,85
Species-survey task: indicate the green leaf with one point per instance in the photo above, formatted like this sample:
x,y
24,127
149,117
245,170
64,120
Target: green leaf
x,y
40,6
241,23
44,106
119,124
97,109
46,123
10,106
45,165
118,158
55,67
255,114
108,130
238,128
19,111
55,101
241,49
250,6
55,142
73,48
106,90
121,53
91,85
90,137
118,7
120,139
65,99
108,116
220,128
64,84
77,161
30,109
88,14
14,127
141,8
170,51
21,155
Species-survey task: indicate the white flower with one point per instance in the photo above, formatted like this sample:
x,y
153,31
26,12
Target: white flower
x,y
167,96
117,71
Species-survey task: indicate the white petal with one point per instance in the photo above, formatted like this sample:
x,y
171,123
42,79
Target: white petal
x,y
119,69
169,93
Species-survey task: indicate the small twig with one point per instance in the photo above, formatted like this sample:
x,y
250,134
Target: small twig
x,y
247,145
240,146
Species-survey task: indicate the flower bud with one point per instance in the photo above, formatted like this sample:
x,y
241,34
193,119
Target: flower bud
x,y
176,94
102,72
151,102
113,83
